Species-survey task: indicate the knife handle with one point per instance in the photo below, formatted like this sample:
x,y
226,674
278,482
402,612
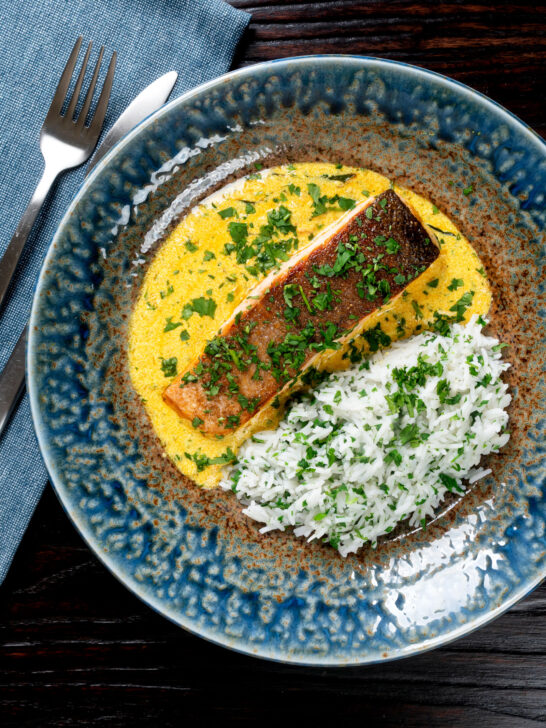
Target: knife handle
x,y
12,380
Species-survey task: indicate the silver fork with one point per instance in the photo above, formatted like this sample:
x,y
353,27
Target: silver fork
x,y
65,142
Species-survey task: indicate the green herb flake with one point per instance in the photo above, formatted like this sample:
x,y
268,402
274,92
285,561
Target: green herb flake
x,y
203,306
392,246
450,483
170,324
167,292
455,283
418,310
339,177
227,212
169,367
238,232
346,203
462,304
203,461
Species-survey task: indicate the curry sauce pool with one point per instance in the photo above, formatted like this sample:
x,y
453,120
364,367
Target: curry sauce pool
x,y
198,277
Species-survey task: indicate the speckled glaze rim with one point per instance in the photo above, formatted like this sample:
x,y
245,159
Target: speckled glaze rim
x,y
312,59
56,479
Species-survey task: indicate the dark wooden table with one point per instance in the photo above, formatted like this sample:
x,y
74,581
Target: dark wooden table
x,y
77,649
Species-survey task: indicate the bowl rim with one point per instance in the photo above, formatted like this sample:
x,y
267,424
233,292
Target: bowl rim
x,y
63,495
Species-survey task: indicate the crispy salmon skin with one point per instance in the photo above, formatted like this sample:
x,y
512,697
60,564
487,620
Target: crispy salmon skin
x,y
309,306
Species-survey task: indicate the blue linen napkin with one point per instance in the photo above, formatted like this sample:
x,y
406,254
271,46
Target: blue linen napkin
x,y
197,38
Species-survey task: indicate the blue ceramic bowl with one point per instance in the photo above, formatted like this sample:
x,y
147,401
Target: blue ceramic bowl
x,y
190,554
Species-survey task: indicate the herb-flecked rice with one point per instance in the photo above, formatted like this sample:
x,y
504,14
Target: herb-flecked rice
x,y
380,443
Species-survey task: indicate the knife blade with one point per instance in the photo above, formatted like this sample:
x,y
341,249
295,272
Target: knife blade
x,y
147,101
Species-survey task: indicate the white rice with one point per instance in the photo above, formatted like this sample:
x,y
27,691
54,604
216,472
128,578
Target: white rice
x,y
340,466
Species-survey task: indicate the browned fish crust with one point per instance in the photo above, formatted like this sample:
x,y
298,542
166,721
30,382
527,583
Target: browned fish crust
x,y
260,351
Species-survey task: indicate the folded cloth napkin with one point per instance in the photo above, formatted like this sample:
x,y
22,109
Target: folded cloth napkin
x,y
197,38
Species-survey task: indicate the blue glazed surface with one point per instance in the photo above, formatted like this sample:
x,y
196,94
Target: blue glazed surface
x,y
191,555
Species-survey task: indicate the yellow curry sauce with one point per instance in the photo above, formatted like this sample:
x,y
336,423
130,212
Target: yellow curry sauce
x,y
194,284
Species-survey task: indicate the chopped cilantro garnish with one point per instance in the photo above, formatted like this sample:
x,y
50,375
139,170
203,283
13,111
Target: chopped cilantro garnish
x,y
450,483
455,283
319,203
346,203
339,177
169,366
228,212
462,304
392,246
376,337
409,435
203,461
203,306
238,232
167,291
264,249
170,324
418,310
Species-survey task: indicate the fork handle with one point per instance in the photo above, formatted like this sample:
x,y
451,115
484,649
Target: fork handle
x,y
9,260
12,380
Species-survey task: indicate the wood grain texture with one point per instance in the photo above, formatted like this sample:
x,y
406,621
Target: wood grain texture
x,y
77,649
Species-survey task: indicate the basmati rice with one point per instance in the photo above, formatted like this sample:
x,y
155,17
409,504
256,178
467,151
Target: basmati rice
x,y
380,443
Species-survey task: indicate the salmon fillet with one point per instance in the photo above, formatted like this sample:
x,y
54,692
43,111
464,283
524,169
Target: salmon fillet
x,y
309,306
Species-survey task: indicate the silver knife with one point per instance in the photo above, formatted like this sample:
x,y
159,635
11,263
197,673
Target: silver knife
x,y
12,377
148,101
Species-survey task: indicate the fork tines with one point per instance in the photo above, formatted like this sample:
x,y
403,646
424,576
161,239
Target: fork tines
x,y
61,94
